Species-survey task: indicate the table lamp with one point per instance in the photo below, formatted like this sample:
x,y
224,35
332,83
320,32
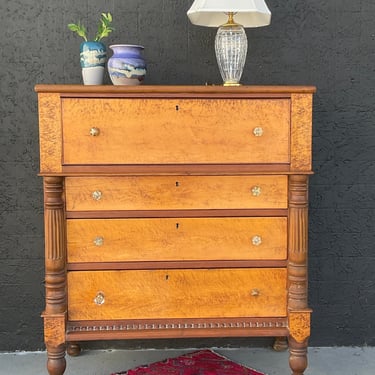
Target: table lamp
x,y
231,16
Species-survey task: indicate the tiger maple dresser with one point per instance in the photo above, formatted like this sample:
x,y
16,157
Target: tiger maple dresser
x,y
175,211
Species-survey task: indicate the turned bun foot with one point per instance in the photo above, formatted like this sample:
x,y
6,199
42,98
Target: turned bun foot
x,y
73,350
280,344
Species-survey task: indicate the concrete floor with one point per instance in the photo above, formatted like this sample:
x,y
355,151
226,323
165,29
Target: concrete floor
x,y
322,361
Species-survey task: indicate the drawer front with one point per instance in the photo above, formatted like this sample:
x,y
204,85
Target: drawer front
x,y
115,240
175,131
203,293
176,192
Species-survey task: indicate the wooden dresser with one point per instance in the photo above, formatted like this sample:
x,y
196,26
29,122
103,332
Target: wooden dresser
x,y
175,211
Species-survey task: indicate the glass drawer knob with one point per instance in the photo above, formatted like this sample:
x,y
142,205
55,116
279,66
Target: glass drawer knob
x,y
94,131
99,299
258,131
97,195
255,292
256,191
98,241
256,240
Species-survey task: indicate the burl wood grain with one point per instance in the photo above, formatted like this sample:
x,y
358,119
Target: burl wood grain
x,y
201,293
176,239
174,131
300,142
50,133
54,330
176,192
299,325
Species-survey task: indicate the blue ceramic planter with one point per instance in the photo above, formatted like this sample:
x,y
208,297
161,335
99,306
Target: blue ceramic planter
x,y
93,58
93,54
127,65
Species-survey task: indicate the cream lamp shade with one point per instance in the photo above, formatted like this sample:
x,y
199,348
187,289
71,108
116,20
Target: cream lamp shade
x,y
231,16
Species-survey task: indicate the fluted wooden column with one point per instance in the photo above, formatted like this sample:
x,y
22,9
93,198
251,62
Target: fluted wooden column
x,y
55,282
299,313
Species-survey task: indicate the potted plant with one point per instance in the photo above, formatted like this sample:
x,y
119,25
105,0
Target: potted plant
x,y
93,53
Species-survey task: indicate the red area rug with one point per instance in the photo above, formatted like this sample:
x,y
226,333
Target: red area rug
x,y
203,362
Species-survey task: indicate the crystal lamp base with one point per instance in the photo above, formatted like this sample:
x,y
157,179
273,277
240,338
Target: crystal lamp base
x,y
231,50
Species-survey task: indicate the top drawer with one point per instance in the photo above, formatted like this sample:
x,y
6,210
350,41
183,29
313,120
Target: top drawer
x,y
175,131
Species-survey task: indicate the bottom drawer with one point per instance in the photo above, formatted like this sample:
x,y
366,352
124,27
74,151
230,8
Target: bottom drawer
x,y
188,293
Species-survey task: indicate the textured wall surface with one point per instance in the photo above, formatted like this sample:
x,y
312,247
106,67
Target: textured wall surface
x,y
330,44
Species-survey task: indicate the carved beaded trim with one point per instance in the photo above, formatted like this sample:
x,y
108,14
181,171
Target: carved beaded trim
x,y
190,325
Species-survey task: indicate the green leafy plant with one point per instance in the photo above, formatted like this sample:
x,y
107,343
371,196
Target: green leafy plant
x,y
104,28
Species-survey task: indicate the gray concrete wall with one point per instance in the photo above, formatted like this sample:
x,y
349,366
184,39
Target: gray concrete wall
x,y
330,44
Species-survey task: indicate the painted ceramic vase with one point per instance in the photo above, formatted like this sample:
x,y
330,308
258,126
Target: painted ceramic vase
x,y
127,65
93,59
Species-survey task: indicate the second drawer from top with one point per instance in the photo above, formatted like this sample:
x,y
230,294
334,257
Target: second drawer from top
x,y
176,192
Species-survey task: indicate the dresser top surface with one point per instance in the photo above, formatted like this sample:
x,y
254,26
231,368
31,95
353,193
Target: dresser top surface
x,y
171,89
